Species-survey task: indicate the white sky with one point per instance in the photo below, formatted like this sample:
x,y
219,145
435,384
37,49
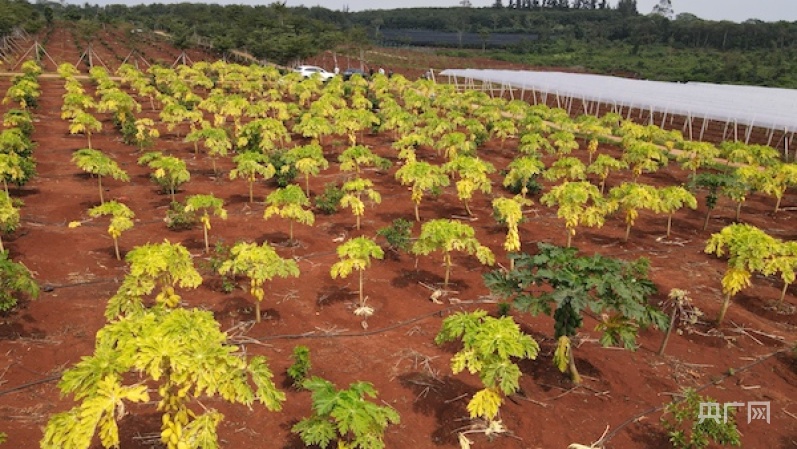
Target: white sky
x,y
733,10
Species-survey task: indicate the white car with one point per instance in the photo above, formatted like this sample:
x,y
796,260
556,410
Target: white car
x,y
309,70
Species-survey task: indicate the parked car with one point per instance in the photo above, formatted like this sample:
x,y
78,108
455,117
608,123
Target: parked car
x,y
348,73
309,70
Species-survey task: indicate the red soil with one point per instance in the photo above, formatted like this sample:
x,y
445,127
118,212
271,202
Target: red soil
x,y
396,353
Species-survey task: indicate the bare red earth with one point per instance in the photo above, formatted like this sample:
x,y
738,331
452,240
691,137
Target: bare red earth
x,y
396,352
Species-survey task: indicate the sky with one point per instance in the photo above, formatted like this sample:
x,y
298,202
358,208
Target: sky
x,y
733,10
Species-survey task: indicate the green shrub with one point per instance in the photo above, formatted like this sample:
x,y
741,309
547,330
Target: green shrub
x,y
286,171
688,429
397,234
15,279
301,365
177,218
329,200
533,186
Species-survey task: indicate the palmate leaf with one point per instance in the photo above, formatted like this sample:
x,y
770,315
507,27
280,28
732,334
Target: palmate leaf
x,y
266,391
315,431
201,433
485,404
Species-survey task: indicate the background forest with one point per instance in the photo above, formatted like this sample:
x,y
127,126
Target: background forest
x,y
588,35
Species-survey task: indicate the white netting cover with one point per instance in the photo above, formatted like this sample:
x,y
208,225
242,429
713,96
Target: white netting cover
x,y
765,107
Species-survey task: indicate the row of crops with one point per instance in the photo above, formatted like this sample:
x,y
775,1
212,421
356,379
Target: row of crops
x,y
253,115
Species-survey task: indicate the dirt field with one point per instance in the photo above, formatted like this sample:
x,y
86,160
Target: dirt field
x,y
622,390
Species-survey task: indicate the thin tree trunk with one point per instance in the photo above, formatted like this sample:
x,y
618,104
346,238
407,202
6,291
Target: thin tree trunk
x,y
290,231
467,209
725,303
257,311
574,375
669,225
207,245
88,136
1,245
116,249
362,301
705,222
627,232
417,214
777,204
448,270
307,183
99,182
738,210
569,238
783,294
251,194
669,331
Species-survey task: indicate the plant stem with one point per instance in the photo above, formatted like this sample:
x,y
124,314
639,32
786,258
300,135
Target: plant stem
x,y
447,259
257,311
777,204
627,232
669,225
569,237
207,245
99,182
783,294
362,301
251,195
116,248
725,303
574,376
705,222
417,214
669,331
738,210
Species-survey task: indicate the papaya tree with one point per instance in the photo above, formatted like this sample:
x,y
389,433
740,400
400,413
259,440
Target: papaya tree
x,y
521,171
579,203
98,164
344,416
473,175
160,267
614,289
696,154
289,202
509,211
353,192
176,361
776,179
489,347
447,236
672,199
216,141
533,143
356,157
454,144
9,216
309,161
15,280
249,165
783,262
206,204
313,126
260,263
630,198
356,254
564,142
84,123
568,168
504,129
643,157
748,249
143,133
121,220
602,166
715,184
169,172
422,177
12,168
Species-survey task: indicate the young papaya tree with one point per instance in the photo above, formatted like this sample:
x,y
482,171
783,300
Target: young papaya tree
x,y
309,161
15,280
567,168
672,199
84,123
715,184
616,290
356,157
356,254
353,192
422,177
260,263
776,179
121,220
579,203
783,262
169,172
313,126
630,198
564,142
344,416
12,168
602,166
216,141
504,129
9,216
534,143
473,174
454,144
98,164
249,165
521,171
489,346
145,133
696,154
176,360
748,249
447,236
206,204
643,157
509,211
289,202
160,267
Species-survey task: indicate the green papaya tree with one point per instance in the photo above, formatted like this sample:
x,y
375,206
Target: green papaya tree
x,y
521,171
715,184
784,263
447,236
489,348
98,164
344,416
776,179
260,263
422,177
289,202
579,203
509,211
15,280
356,254
121,220
617,290
12,169
533,143
354,158
672,199
9,216
564,142
454,144
169,172
748,249
353,192
695,155
178,362
249,165
643,157
206,204
84,123
568,168
630,198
